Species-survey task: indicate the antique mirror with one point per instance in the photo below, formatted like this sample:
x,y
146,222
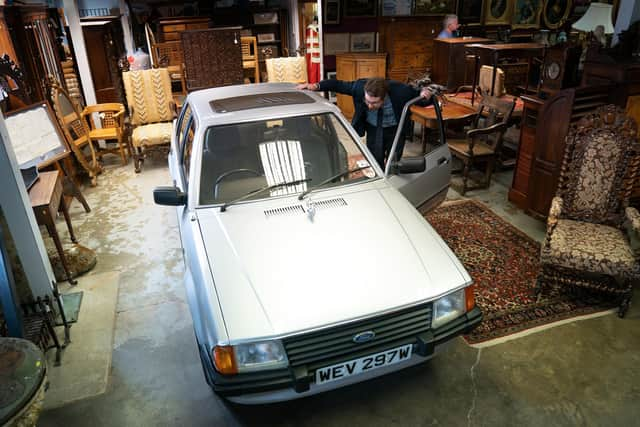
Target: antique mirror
x,y
75,130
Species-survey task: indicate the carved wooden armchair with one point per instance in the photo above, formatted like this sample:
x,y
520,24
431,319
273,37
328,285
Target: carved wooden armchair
x,y
586,244
151,109
483,144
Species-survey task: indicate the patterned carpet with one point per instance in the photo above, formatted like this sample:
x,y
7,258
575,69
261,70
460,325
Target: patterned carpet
x,y
503,263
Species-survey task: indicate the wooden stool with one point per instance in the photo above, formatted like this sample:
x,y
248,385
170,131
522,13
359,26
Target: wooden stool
x,y
46,200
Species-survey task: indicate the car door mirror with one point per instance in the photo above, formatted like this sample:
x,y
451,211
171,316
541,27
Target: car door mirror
x,y
169,196
409,165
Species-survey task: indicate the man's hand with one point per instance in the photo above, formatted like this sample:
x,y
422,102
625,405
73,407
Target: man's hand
x,y
308,86
425,93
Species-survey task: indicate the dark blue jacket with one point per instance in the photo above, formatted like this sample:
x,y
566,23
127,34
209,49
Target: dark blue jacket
x,y
399,93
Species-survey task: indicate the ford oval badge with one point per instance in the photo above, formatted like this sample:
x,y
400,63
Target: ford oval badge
x,y
363,337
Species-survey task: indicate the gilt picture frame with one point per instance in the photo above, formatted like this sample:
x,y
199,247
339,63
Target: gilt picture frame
x,y
497,12
556,12
362,42
526,14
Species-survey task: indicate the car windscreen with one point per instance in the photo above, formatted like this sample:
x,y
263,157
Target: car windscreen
x,y
242,158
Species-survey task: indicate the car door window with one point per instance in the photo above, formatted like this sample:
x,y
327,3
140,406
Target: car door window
x,y
185,116
187,137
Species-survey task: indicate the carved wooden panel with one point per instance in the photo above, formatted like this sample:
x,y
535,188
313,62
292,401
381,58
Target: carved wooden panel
x,y
212,58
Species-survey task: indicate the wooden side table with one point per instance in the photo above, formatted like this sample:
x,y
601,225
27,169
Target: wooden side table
x,y
46,201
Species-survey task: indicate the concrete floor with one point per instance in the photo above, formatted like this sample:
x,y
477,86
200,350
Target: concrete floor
x,y
581,373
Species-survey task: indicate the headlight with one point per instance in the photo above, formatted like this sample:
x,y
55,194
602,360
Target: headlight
x,y
250,357
448,308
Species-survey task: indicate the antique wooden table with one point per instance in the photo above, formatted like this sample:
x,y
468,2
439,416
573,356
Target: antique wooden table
x,y
46,200
451,111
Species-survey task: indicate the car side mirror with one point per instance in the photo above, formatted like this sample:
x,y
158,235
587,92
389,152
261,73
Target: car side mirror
x,y
169,196
410,165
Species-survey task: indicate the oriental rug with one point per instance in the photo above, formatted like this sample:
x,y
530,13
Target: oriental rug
x,y
504,263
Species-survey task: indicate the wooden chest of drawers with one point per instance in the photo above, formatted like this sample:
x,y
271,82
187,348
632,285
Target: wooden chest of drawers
x,y
169,29
409,42
353,66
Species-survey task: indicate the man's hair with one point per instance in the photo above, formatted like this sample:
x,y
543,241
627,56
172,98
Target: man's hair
x,y
377,87
448,20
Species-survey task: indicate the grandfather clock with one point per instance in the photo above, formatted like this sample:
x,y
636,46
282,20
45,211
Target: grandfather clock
x,y
559,69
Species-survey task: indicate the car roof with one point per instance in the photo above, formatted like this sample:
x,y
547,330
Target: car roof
x,y
234,104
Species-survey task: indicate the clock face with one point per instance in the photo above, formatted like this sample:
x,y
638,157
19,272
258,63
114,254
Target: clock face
x,y
553,70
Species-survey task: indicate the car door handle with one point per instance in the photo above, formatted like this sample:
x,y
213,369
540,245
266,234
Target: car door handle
x,y
442,161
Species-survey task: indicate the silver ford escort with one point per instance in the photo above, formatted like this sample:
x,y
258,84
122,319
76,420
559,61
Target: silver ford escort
x,y
307,266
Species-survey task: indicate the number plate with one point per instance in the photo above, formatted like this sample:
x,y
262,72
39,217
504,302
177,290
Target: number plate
x,y
363,364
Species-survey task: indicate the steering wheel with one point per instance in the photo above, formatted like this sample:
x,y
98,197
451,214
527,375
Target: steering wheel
x,y
229,173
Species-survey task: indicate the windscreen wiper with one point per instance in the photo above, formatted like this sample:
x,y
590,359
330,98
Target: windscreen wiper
x,y
331,179
262,190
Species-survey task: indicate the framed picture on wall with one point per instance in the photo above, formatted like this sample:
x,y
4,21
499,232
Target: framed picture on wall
x,y
470,11
332,12
526,14
429,7
362,42
266,37
497,12
336,43
396,7
556,12
353,8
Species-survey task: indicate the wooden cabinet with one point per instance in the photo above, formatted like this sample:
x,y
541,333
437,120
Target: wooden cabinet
x,y
540,157
520,185
450,68
169,29
409,42
353,66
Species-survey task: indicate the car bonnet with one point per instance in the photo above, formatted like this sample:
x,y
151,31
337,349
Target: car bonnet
x,y
279,269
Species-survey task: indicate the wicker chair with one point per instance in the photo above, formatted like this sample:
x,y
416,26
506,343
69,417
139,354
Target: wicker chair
x,y
586,244
151,109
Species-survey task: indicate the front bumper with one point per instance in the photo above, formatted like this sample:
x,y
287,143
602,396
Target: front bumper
x,y
287,384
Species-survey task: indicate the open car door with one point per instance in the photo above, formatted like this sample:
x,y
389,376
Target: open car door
x,y
428,188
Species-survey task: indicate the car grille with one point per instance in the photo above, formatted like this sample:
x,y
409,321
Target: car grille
x,y
333,345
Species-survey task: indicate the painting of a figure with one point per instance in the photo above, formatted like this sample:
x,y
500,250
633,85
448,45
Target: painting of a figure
x,y
497,12
556,12
526,14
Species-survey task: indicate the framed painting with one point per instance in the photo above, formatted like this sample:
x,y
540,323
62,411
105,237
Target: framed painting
x,y
434,7
332,12
469,11
396,7
362,42
497,12
556,12
526,14
360,8
336,43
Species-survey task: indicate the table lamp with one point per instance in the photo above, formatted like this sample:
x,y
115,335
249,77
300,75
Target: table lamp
x,y
598,14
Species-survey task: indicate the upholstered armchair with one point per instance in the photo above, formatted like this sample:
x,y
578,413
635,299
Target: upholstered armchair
x,y
151,109
587,245
483,144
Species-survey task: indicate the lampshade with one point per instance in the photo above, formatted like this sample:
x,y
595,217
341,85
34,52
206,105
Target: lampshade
x,y
597,14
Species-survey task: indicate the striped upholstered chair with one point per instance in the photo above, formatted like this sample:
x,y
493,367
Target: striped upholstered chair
x,y
586,244
151,111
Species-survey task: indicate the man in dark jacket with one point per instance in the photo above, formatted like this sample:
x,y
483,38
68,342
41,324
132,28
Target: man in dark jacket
x,y
378,106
